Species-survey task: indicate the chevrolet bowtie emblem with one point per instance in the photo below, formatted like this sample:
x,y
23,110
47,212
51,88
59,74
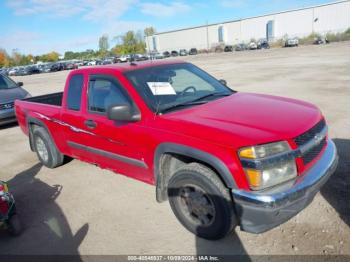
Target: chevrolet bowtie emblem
x,y
318,138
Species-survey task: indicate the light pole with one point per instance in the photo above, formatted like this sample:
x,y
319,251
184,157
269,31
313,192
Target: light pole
x,y
207,36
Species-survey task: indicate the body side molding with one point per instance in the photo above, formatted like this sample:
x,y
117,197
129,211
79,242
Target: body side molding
x,y
125,159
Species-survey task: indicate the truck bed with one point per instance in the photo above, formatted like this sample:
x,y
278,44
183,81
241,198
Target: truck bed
x,y
50,99
48,105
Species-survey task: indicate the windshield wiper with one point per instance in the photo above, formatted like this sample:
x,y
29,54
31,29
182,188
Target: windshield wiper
x,y
211,95
197,101
191,103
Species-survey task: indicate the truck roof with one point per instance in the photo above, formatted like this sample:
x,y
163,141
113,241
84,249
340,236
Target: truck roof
x,y
126,67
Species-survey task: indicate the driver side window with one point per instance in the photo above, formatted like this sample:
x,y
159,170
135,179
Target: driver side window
x,y
103,93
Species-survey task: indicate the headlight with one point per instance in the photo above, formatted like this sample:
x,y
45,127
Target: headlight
x,y
268,175
257,152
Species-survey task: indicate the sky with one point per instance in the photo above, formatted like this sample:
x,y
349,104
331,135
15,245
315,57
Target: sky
x,y
40,26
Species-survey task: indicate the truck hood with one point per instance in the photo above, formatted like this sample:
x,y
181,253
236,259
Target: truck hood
x,y
10,95
247,119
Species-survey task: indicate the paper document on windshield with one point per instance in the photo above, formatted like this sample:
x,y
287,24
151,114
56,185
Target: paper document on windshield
x,y
161,88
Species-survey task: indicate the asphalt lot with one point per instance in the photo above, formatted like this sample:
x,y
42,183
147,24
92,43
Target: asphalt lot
x,y
81,209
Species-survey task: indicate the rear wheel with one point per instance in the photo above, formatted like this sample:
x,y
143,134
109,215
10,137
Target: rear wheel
x,y
201,202
46,150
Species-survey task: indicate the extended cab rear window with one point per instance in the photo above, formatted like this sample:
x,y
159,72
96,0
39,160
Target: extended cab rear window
x,y
75,90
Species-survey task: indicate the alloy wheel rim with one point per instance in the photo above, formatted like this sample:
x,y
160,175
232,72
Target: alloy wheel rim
x,y
197,205
42,150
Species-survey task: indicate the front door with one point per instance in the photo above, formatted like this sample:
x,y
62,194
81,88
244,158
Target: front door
x,y
113,145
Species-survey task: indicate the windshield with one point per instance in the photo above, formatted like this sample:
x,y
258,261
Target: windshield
x,y
6,83
176,86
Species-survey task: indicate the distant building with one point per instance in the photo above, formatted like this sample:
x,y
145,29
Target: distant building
x,y
333,17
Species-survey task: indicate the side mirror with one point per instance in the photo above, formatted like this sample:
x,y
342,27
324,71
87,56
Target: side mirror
x,y
222,81
20,83
123,112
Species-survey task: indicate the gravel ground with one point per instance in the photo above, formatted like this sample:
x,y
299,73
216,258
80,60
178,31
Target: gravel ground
x,y
81,209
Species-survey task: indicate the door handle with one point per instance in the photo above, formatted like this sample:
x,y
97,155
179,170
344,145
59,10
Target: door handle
x,y
90,124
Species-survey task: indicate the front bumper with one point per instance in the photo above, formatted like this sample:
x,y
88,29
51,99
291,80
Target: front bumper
x,y
262,211
7,116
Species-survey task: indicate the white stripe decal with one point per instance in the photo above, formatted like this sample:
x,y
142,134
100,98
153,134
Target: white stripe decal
x,y
73,128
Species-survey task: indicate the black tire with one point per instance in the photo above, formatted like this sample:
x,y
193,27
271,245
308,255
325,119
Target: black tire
x,y
201,202
43,142
14,225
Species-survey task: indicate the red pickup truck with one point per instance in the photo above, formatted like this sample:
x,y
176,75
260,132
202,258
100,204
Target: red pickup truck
x,y
222,158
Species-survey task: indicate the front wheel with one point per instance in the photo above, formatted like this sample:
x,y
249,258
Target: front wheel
x,y
201,202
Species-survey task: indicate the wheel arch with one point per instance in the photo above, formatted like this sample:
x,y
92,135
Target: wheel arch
x,y
31,122
169,155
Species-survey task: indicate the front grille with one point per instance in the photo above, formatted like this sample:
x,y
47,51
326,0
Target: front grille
x,y
310,134
313,152
7,106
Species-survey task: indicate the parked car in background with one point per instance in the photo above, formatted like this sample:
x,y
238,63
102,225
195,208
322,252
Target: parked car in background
x,y
291,42
263,44
252,46
183,52
140,57
4,71
228,48
155,55
166,54
71,65
45,68
107,62
19,71
92,62
241,47
79,63
33,69
12,71
124,58
321,40
174,53
115,60
27,70
158,55
56,67
9,92
193,51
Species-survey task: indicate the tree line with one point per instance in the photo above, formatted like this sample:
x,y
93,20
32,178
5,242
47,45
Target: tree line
x,y
129,43
18,59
